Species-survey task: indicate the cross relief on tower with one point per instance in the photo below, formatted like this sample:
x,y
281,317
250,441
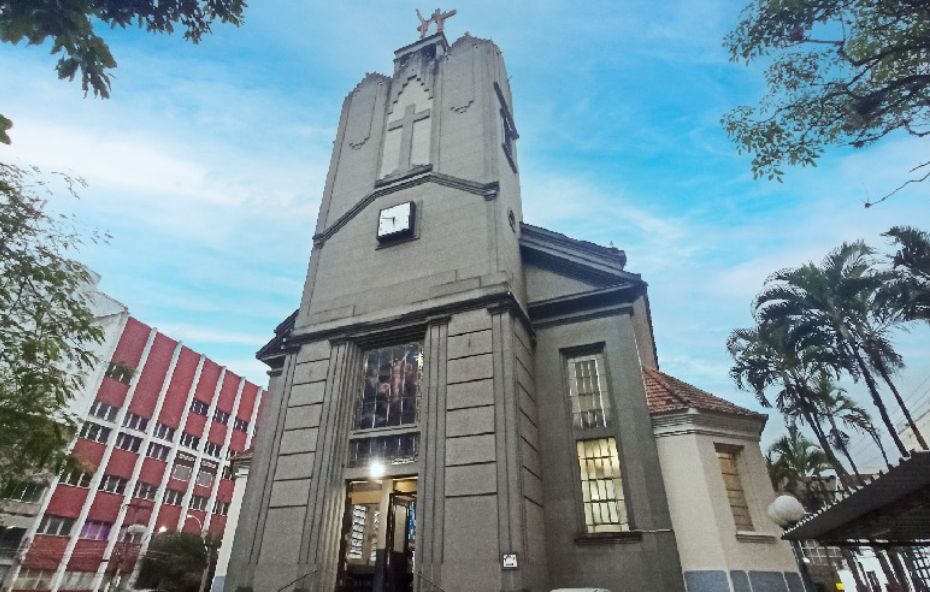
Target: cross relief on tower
x,y
407,133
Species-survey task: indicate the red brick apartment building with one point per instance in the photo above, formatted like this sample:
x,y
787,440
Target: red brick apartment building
x,y
159,424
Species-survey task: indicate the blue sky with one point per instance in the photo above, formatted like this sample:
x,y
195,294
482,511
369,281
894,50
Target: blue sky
x,y
207,163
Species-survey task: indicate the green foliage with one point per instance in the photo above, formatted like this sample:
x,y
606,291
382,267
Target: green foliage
x,y
46,328
69,26
175,561
795,465
840,72
5,125
912,261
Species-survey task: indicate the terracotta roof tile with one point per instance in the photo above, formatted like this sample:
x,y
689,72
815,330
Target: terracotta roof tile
x,y
665,394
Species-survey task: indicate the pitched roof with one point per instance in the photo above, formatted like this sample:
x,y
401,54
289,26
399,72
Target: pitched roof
x,y
665,394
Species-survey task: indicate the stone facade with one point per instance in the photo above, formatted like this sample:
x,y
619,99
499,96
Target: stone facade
x,y
501,322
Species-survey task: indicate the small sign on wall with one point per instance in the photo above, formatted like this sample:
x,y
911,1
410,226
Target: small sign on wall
x,y
509,561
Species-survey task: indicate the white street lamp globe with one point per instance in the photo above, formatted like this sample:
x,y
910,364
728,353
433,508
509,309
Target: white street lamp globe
x,y
376,469
785,510
135,529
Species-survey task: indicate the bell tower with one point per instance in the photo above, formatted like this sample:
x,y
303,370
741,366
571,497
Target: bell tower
x,y
397,450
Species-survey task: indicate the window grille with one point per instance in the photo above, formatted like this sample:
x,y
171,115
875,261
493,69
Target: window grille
x,y
94,432
103,410
128,442
135,422
602,486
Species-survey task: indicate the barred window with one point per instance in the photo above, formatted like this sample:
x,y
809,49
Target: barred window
x,y
728,457
95,432
396,449
198,502
391,387
103,410
157,451
164,431
213,449
120,372
146,490
602,486
135,422
241,425
221,416
190,440
199,407
588,393
173,497
128,442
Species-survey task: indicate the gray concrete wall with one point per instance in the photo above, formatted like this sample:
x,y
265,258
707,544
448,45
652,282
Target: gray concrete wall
x,y
649,560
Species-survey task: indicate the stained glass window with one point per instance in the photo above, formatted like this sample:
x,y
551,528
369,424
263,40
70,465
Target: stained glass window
x,y
601,486
391,387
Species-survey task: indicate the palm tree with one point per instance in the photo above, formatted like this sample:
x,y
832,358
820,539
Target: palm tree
x,y
832,304
833,404
763,362
912,262
794,464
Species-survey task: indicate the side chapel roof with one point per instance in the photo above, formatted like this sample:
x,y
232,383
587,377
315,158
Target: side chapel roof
x,y
667,394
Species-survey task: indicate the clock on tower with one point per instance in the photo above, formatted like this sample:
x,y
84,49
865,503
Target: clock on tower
x,y
396,222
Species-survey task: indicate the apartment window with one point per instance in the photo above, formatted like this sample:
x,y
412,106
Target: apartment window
x,y
205,478
183,469
96,530
95,431
391,387
120,372
198,502
729,468
145,490
128,442
199,407
24,491
113,484
103,410
78,580
135,422
587,391
190,440
157,451
241,425
173,497
33,579
55,525
221,416
213,449
221,508
76,478
601,486
165,432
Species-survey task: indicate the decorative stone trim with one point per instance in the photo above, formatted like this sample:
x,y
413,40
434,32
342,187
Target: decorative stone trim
x,y
747,536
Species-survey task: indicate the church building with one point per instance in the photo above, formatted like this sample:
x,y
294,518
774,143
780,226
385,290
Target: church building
x,y
465,402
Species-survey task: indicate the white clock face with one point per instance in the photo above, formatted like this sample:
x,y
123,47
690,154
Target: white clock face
x,y
396,221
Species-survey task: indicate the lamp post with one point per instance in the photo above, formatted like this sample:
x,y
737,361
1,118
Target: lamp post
x,y
132,529
786,511
206,550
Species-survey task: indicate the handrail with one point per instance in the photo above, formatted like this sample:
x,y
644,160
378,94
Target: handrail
x,y
292,582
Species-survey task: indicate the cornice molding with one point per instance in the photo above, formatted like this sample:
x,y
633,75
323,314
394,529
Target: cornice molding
x,y
693,421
